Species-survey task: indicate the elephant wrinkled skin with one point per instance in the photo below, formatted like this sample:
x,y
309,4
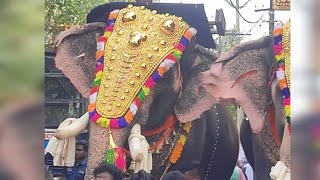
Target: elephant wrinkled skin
x,y
176,93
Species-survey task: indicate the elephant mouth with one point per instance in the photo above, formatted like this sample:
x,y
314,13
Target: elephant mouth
x,y
227,101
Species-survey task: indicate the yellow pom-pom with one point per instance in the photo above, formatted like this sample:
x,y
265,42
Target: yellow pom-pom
x,y
183,139
99,75
146,90
287,110
103,122
279,57
187,127
100,122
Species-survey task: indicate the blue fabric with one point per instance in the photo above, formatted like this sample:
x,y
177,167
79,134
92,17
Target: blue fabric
x,y
100,60
277,39
76,172
156,76
122,122
184,41
92,113
110,22
285,92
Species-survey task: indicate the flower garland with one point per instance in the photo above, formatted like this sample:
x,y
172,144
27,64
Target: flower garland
x,y
177,150
280,70
166,64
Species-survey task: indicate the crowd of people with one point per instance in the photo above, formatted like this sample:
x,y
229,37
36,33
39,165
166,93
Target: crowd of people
x,y
242,170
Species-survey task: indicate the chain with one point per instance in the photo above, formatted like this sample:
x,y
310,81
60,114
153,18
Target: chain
x,y
214,145
171,148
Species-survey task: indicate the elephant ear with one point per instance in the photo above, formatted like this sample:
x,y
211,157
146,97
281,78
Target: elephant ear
x,y
193,101
75,54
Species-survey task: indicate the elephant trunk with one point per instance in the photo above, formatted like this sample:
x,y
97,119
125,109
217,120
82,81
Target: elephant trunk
x,y
99,144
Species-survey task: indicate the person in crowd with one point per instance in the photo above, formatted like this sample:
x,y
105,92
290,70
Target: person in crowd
x,y
237,174
141,175
108,172
244,164
78,171
174,175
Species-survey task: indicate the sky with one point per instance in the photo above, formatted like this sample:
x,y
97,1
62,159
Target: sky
x,y
258,30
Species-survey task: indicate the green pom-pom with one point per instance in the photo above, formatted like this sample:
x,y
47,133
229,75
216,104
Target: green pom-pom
x,y
141,95
175,54
96,82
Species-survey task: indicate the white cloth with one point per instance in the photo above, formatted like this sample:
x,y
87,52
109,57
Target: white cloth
x,y
139,150
280,172
63,151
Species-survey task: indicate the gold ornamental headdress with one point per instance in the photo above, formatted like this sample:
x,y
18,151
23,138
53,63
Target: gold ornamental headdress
x,y
137,48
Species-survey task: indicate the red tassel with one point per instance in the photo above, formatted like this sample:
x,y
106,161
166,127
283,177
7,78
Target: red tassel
x,y
120,160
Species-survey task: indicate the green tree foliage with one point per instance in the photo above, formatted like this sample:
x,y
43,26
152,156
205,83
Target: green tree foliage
x,y
62,14
21,49
225,43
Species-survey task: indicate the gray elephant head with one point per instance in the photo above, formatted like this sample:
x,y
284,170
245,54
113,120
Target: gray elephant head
x,y
246,74
175,93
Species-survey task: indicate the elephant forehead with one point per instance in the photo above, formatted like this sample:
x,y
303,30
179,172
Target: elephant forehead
x,y
245,62
141,40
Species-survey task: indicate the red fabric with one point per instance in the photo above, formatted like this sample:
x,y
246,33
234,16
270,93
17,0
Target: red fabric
x,y
99,68
282,67
171,57
181,47
102,39
137,101
95,89
109,28
278,49
150,83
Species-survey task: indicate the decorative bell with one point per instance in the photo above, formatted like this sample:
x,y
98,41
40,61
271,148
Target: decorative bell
x,y
156,151
166,142
174,133
132,165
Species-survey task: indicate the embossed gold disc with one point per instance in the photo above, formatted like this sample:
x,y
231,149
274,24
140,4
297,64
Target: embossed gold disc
x,y
133,52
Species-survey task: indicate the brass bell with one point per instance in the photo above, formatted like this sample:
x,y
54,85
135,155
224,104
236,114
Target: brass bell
x,y
166,142
156,151
174,133
132,165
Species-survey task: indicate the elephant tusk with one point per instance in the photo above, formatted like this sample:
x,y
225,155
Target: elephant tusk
x,y
73,129
136,149
139,150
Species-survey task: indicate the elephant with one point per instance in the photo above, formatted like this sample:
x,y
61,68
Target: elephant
x,y
245,74
212,145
